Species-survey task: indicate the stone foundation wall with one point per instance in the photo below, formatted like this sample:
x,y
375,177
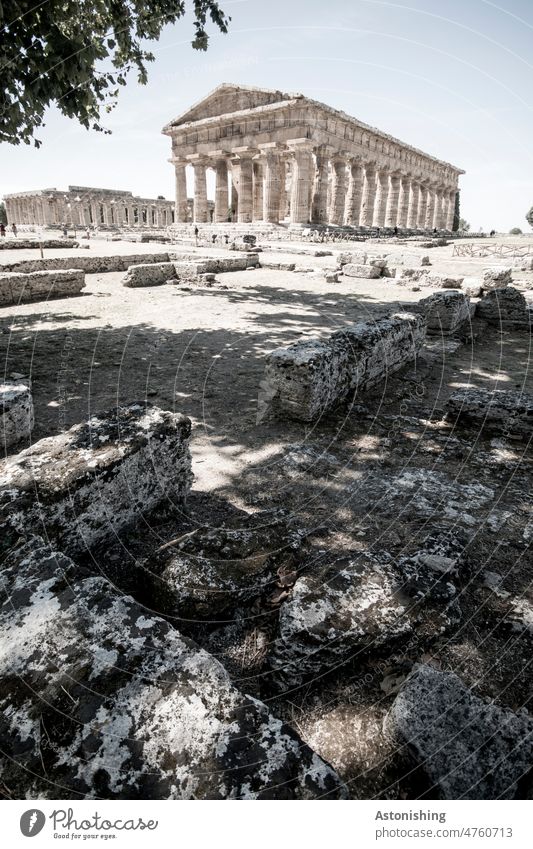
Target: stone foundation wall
x,y
89,264
40,285
308,378
94,480
154,274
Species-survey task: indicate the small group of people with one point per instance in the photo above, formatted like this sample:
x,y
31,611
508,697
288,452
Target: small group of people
x,y
13,229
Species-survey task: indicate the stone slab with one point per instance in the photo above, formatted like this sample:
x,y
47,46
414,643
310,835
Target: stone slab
x,y
364,271
40,285
112,702
16,414
154,274
86,485
508,412
89,264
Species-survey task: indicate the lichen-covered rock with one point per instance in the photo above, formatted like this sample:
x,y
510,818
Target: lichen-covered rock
x,y
16,414
150,274
89,483
504,307
445,312
496,278
358,604
100,699
308,378
212,571
16,288
508,412
467,748
363,271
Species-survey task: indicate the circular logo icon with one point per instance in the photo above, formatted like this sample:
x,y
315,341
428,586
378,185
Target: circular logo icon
x,y
32,822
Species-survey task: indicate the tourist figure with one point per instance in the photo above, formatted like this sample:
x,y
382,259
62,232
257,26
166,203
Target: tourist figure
x,y
395,231
196,235
214,238
14,229
65,231
2,229
88,233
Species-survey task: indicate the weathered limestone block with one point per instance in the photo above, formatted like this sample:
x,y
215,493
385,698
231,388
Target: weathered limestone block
x,y
308,378
364,271
278,266
89,264
212,571
409,260
497,410
215,265
333,614
16,414
23,244
504,307
468,749
40,285
89,483
114,703
445,312
471,286
149,275
354,257
523,263
443,281
496,278
410,275
331,277
377,261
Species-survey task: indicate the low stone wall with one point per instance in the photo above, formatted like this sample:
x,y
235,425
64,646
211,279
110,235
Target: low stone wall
x,y
215,265
499,411
505,307
86,485
40,285
89,264
16,414
149,275
21,244
308,378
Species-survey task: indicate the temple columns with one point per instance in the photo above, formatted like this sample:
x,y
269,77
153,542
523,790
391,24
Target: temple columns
x,y
258,191
451,210
272,183
422,207
391,215
338,190
301,177
414,196
181,205
200,190
382,193
355,194
437,216
369,195
221,185
319,208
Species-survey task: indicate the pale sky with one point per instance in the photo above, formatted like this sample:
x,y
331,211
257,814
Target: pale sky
x,y
453,79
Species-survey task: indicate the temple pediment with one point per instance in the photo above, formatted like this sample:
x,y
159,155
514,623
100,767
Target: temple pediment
x,y
226,99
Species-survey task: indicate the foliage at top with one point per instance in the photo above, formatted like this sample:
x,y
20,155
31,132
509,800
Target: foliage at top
x,y
529,217
77,53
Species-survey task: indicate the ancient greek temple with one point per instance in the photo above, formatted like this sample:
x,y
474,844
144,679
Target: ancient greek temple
x,y
84,206
282,157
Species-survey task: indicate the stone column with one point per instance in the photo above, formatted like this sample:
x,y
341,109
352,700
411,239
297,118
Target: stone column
x,y
355,194
430,208
245,182
319,206
369,195
437,215
414,197
181,206
382,194
422,207
451,210
200,190
258,191
219,157
301,177
391,215
272,182
338,189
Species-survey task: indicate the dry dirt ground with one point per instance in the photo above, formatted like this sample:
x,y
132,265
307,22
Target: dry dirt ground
x,y
380,474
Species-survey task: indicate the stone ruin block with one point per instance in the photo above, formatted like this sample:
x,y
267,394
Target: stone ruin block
x,y
154,274
86,485
88,264
365,271
523,263
443,281
409,260
471,286
445,311
279,266
468,748
412,275
497,410
16,414
504,307
308,378
116,704
355,257
331,277
16,288
496,278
